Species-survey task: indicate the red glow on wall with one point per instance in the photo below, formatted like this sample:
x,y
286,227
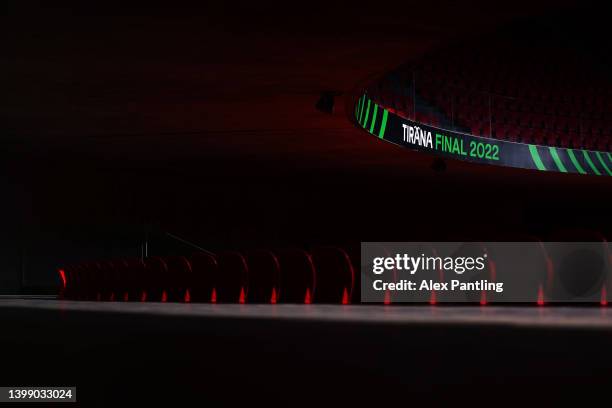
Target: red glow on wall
x,y
432,298
126,297
387,300
213,296
164,296
540,296
345,297
483,298
187,296
273,297
62,275
143,296
242,298
307,297
604,296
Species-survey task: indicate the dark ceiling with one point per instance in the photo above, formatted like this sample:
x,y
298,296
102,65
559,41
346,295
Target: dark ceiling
x,y
228,79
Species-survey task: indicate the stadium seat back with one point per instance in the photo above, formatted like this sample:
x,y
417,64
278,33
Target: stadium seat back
x,y
156,271
205,269
179,278
298,276
264,277
335,275
232,280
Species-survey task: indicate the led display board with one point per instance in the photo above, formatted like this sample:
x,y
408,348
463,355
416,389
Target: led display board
x,y
396,129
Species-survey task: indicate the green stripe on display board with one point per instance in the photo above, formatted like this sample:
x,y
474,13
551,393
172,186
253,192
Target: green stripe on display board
x,y
383,125
603,163
588,160
374,118
361,109
557,160
363,99
577,165
610,157
365,120
536,157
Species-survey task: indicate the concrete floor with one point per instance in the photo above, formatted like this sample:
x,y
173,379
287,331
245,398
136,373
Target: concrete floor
x,y
316,355
589,317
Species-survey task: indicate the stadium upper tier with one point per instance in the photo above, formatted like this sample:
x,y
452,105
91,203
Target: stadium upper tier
x,y
534,92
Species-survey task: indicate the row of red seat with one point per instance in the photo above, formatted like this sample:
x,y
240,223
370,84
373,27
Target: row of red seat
x,y
543,122
551,119
542,118
541,98
528,128
500,65
544,272
326,275
538,92
445,91
535,136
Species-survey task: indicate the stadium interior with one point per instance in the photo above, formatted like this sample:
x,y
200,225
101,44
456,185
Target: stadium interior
x,y
186,189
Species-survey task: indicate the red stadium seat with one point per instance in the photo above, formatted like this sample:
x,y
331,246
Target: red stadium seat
x,y
179,281
335,275
534,268
593,279
264,277
232,280
78,280
156,272
134,280
89,280
71,283
120,285
489,80
489,273
101,279
205,271
298,277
